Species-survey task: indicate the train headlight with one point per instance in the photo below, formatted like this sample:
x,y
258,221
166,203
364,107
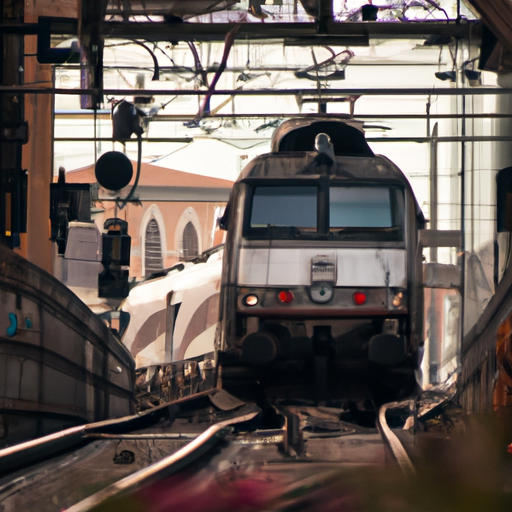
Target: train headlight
x,y
250,300
397,299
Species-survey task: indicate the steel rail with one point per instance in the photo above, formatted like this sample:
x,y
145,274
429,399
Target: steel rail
x,y
33,451
390,437
163,468
141,437
30,451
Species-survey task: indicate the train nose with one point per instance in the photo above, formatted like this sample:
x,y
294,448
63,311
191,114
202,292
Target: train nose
x,y
259,348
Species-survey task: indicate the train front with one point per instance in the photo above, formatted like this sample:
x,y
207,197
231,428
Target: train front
x,y
321,297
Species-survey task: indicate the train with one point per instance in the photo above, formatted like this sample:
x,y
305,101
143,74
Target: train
x,y
317,291
322,286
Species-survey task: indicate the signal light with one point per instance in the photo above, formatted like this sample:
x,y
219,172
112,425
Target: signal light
x,y
359,298
285,296
113,280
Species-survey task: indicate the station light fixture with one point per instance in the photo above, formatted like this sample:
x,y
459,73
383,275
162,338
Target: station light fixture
x,y
447,75
472,75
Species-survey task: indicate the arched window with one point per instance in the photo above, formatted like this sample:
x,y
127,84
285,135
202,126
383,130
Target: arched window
x,y
153,249
189,243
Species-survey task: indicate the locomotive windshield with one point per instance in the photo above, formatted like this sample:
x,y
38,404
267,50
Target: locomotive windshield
x,y
284,206
360,207
351,212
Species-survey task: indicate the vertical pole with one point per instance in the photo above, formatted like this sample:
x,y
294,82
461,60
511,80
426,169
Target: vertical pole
x,y
11,115
3,241
325,11
428,115
462,217
434,337
433,187
37,153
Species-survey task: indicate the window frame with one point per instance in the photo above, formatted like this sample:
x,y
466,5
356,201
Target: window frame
x,y
323,230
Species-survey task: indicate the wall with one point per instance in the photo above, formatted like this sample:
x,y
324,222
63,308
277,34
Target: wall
x,y
38,152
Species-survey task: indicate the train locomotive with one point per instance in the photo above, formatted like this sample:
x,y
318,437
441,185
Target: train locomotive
x,y
321,295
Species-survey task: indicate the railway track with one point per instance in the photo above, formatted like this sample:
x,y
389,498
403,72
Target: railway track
x,y
194,449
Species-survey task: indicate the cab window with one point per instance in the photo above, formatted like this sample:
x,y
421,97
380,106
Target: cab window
x,y
360,207
284,206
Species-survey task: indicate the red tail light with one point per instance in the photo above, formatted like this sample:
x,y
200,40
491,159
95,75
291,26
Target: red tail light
x,y
359,298
285,296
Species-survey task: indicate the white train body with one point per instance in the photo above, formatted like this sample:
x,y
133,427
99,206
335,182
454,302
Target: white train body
x,y
175,316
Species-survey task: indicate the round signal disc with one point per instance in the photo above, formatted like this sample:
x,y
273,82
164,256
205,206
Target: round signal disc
x,y
321,292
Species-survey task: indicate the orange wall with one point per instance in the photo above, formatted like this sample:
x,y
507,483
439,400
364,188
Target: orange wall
x,y
37,153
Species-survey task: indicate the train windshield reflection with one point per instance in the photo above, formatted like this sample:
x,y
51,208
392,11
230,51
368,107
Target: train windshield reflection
x,y
284,206
360,207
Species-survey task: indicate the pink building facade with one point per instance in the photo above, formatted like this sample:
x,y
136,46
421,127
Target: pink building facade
x,y
175,219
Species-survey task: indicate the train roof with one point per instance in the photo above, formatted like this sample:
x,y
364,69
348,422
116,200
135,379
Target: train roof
x,y
346,135
295,152
302,163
